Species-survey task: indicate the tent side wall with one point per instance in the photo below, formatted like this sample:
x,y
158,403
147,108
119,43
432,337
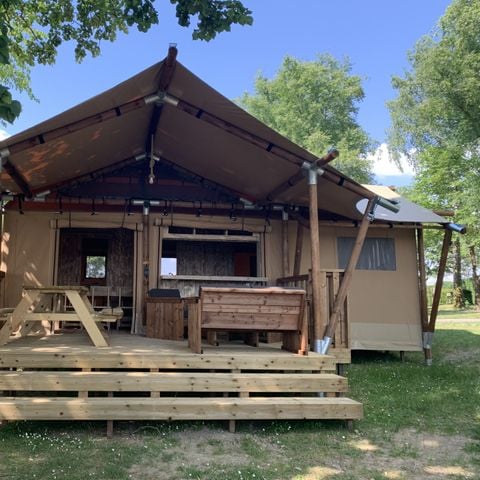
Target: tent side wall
x,y
28,254
384,306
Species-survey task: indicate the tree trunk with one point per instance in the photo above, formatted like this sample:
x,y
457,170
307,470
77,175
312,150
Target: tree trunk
x,y
475,279
459,299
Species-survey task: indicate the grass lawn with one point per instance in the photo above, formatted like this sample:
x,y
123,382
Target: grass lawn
x,y
448,312
420,423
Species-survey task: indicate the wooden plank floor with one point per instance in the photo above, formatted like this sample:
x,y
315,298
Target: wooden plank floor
x,y
74,350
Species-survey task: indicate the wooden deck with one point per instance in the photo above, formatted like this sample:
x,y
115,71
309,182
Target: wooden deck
x,y
136,378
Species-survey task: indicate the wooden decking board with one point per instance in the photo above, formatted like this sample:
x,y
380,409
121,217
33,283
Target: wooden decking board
x,y
253,408
129,351
171,382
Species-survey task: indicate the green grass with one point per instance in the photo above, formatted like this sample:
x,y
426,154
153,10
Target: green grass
x,y
449,312
408,407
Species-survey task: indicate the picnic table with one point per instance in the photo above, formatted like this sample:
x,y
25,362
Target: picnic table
x,y
82,311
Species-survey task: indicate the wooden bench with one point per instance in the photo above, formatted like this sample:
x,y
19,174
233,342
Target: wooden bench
x,y
251,310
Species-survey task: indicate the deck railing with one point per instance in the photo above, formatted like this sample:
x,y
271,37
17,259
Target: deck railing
x,y
330,283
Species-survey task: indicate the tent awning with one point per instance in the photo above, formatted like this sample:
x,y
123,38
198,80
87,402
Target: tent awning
x,y
116,126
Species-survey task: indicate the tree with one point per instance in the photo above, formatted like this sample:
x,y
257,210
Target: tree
x,y
315,104
438,102
436,119
32,30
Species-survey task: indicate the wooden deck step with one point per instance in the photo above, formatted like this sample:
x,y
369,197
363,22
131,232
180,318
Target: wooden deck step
x,y
111,358
171,382
179,408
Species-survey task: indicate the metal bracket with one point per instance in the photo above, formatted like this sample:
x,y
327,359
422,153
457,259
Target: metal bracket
x,y
427,340
371,213
322,346
313,172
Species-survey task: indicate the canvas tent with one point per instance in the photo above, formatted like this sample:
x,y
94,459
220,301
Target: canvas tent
x,y
163,155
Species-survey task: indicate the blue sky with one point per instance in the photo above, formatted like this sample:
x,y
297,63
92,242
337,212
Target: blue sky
x,y
375,34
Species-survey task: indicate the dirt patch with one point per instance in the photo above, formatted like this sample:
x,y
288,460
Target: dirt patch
x,y
416,455
462,356
199,450
407,455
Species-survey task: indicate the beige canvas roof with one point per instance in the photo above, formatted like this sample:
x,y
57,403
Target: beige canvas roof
x,y
114,126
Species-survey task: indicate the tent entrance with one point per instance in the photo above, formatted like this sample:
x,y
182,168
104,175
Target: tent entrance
x,y
103,260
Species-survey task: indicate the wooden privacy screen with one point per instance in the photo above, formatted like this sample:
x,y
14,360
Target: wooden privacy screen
x,y
251,310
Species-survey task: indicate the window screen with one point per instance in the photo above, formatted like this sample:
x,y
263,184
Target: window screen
x,y
377,253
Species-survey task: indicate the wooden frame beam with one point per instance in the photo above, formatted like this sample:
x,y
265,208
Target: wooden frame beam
x,y
17,177
77,125
166,75
422,280
352,263
318,321
298,250
438,286
285,248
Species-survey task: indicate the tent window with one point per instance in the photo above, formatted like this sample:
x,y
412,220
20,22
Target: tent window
x,y
94,260
377,253
212,258
96,266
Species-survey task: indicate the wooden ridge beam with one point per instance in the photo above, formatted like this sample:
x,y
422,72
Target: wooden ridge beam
x,y
166,75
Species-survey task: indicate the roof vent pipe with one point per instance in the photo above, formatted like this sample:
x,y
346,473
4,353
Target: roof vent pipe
x,y
391,205
456,227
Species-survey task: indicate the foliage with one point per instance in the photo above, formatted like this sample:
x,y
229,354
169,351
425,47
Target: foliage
x,y
31,31
436,116
315,104
438,101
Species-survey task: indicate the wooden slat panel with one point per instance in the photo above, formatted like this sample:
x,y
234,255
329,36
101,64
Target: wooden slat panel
x,y
247,299
171,382
227,321
65,317
165,320
112,359
220,408
255,309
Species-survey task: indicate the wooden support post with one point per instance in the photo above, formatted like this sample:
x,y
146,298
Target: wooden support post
x,y
352,263
146,258
422,280
427,341
154,394
298,250
285,249
84,394
438,286
318,321
110,422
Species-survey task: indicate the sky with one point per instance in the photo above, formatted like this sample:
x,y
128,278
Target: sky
x,y
375,35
